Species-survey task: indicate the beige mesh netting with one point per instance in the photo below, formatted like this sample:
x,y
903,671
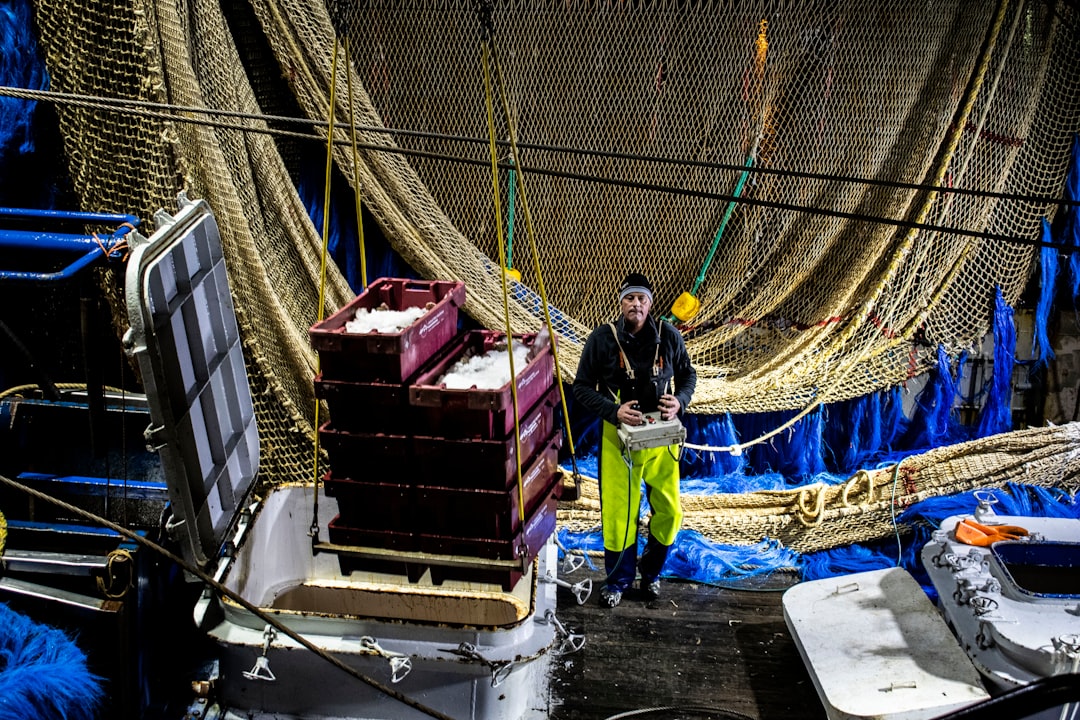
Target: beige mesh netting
x,y
797,307
634,122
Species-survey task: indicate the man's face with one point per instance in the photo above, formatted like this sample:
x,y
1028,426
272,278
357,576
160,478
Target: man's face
x,y
635,308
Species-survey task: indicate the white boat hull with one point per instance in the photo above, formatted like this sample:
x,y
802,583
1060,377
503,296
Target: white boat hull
x,y
475,651
1012,635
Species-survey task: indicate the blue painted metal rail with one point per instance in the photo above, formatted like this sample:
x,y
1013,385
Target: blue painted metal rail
x,y
88,247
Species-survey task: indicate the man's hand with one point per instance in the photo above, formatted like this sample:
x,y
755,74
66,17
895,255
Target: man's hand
x,y
629,413
669,407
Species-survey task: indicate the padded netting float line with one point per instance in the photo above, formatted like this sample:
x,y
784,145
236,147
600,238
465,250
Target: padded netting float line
x,y
819,517
798,308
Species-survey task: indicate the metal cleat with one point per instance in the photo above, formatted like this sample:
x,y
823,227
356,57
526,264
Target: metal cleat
x,y
969,588
985,509
982,605
1066,653
959,563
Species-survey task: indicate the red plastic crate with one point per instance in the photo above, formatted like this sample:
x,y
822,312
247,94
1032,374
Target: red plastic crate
x,y
389,357
491,514
515,553
372,457
525,545
342,533
451,462
478,412
372,505
367,406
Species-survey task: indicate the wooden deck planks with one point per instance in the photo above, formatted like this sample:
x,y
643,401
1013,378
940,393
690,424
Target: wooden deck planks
x,y
698,646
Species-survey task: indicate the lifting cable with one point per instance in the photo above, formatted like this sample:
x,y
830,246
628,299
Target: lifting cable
x,y
184,114
124,106
356,169
486,31
530,234
314,530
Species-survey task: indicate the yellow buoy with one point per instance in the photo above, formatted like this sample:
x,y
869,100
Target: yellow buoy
x,y
686,307
513,274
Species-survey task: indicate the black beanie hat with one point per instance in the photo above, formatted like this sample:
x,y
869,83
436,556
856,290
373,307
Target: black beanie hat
x,y
635,282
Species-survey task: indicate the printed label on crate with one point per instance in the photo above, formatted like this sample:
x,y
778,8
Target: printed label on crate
x,y
536,424
527,379
431,323
536,470
538,516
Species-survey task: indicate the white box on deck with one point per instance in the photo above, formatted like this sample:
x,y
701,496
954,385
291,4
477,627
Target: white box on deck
x,y
876,647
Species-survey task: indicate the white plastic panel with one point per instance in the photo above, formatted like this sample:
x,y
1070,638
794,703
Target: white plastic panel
x,y
185,338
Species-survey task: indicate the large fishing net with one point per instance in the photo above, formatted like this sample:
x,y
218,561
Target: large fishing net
x,y
623,131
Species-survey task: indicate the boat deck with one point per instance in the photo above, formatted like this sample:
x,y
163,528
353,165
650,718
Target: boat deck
x,y
698,647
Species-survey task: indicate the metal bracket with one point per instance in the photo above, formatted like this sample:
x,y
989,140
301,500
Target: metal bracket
x,y
1066,653
985,509
968,593
400,663
959,563
261,669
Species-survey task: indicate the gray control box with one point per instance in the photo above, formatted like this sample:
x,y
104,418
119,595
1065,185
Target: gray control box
x,y
653,432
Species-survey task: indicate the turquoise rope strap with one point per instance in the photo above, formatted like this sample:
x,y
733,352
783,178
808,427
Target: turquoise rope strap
x,y
723,223
510,220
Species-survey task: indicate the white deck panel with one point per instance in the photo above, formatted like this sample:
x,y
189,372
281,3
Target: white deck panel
x,y
876,647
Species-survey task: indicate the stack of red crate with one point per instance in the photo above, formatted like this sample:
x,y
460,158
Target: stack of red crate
x,y
427,471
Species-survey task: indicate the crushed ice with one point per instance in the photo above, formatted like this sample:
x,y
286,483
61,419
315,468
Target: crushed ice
x,y
383,320
488,371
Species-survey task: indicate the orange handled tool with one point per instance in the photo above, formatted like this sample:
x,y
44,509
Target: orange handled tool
x,y
972,533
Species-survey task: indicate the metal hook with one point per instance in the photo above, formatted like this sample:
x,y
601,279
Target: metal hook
x,y
261,670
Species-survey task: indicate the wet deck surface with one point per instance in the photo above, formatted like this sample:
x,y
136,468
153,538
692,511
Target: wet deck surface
x,y
697,648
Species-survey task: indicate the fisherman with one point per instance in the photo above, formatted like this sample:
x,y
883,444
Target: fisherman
x,y
627,369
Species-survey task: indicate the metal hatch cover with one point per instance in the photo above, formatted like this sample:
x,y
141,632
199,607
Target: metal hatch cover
x,y
185,339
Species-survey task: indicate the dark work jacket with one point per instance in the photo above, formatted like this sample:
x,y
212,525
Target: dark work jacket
x,y
600,375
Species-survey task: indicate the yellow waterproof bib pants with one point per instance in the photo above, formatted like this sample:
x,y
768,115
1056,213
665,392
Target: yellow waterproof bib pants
x,y
620,503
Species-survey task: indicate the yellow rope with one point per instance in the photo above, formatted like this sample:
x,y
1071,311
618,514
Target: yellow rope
x,y
852,484
811,516
531,235
116,556
3,533
489,102
356,170
322,270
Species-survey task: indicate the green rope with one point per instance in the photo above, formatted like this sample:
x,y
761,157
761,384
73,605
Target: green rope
x,y
723,223
510,221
